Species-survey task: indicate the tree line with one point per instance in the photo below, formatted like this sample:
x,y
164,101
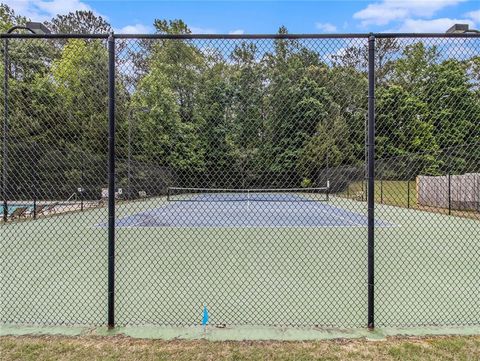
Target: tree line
x,y
232,113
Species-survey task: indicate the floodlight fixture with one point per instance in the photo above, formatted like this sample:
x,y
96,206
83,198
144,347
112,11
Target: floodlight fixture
x,y
33,27
38,28
461,29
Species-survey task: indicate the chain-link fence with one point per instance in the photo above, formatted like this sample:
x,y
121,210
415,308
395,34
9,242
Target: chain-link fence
x,y
428,124
155,179
54,164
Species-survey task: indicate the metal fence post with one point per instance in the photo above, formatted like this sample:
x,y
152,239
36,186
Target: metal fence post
x,y
111,181
35,180
381,190
81,199
408,193
82,171
5,133
449,194
371,179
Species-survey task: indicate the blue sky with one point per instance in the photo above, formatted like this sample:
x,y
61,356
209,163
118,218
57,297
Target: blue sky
x,y
249,17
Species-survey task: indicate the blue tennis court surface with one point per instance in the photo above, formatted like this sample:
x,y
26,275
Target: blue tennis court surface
x,y
198,212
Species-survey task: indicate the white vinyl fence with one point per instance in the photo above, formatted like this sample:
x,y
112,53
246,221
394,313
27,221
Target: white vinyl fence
x,y
461,192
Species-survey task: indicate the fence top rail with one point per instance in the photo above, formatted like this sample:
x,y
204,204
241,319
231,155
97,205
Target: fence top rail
x,y
240,36
53,36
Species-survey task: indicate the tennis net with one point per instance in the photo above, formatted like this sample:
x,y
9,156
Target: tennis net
x,y
248,195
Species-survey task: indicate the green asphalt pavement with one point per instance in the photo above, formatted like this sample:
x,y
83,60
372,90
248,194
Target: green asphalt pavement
x,y
54,272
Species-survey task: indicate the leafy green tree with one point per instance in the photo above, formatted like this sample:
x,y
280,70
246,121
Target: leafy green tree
x,y
285,130
79,22
247,112
356,57
455,112
322,141
80,129
348,87
215,98
268,113
405,130
454,109
80,75
306,127
413,70
164,138
30,99
169,90
9,18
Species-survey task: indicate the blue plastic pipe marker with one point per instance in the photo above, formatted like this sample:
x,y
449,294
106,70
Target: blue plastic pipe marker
x,y
205,317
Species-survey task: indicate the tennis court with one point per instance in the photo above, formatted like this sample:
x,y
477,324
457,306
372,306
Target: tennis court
x,y
248,272
270,180
247,208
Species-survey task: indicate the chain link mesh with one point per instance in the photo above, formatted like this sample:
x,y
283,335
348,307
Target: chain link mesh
x,y
53,255
229,116
428,182
219,143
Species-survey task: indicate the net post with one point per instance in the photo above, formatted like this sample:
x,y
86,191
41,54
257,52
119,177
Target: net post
x,y
371,179
111,181
328,190
168,194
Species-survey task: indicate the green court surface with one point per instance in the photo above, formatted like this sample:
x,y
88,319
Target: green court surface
x,y
54,271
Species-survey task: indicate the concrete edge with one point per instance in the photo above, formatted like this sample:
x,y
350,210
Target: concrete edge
x,y
239,333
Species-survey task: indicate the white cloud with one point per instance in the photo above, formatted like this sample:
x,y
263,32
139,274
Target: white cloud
x,y
474,15
326,27
430,26
24,8
40,10
134,29
61,6
382,13
237,32
199,30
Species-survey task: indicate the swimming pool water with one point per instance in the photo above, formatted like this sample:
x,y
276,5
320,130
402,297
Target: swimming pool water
x,y
12,207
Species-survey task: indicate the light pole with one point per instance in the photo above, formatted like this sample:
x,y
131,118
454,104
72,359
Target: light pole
x,y
34,28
